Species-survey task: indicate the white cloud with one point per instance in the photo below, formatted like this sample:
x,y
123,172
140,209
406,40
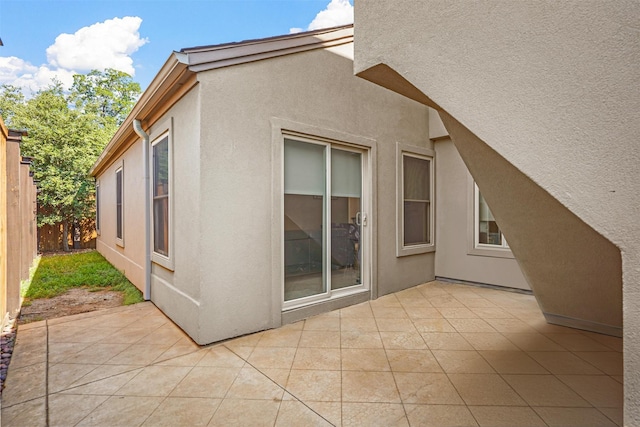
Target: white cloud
x,y
337,12
107,44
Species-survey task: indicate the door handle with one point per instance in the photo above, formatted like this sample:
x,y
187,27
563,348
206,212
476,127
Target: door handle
x,y
361,219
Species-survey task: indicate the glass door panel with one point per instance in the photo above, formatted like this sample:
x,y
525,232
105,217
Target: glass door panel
x,y
304,219
346,232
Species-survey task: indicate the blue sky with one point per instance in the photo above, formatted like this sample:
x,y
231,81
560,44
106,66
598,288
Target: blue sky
x,y
57,38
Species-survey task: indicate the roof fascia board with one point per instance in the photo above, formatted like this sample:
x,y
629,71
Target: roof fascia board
x,y
218,57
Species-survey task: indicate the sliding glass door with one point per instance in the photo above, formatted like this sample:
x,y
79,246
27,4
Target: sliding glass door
x,y
323,220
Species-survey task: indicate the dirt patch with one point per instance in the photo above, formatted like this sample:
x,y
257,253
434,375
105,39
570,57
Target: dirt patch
x,y
74,301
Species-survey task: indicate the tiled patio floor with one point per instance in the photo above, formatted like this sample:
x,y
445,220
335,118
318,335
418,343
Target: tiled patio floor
x,y
439,354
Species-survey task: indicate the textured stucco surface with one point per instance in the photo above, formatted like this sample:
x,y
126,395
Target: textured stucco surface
x,y
553,88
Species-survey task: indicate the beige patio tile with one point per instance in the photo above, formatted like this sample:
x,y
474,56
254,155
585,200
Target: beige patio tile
x,y
614,414
407,340
387,312
97,353
154,381
533,342
426,388
278,376
512,362
183,411
319,339
180,355
293,413
574,417
121,411
485,390
491,313
30,413
250,340
350,324
609,362
389,300
471,325
412,361
280,338
462,362
220,357
166,334
245,412
599,390
477,302
506,416
272,357
544,390
24,384
395,324
69,409
457,313
105,386
322,322
252,384
353,339
67,333
357,359
62,375
204,381
330,411
433,325
128,335
242,352
138,354
320,386
564,363
614,343
489,341
577,342
510,325
102,372
446,341
58,353
445,301
373,387
373,414
324,359
423,312
439,416
358,311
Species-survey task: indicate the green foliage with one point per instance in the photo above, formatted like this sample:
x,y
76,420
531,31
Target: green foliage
x,y
66,134
57,274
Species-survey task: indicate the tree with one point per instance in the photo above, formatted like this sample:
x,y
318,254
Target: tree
x,y
109,95
66,134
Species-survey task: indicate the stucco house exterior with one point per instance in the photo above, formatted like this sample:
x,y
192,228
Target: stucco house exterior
x,y
261,182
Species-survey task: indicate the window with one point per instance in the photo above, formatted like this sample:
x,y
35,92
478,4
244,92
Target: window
x,y
415,195
98,207
487,233
161,196
120,205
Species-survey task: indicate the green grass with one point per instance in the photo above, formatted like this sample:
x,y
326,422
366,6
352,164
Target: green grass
x,y
56,274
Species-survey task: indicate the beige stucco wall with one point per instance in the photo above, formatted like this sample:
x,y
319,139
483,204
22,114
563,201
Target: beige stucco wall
x,y
241,283
551,88
128,258
177,291
454,213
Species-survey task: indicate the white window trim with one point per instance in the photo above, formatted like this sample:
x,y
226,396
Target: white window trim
x,y
474,247
158,258
120,168
421,153
281,129
97,207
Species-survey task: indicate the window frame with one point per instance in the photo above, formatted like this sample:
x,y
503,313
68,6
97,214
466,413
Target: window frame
x,y
97,189
423,153
164,260
475,247
120,208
